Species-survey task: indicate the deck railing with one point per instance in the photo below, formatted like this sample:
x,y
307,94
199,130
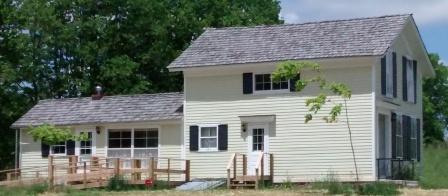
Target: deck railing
x,y
395,169
233,170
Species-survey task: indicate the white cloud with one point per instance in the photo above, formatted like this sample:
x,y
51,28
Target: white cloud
x,y
425,12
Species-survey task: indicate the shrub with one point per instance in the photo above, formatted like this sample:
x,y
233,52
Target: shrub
x,y
378,188
117,183
333,186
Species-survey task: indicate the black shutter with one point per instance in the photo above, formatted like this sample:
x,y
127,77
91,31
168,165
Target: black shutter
x,y
405,132
418,140
70,145
393,121
405,81
194,138
394,73
383,75
414,66
247,83
292,83
222,137
45,150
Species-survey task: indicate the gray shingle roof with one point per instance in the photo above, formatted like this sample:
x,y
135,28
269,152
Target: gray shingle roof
x,y
326,39
110,109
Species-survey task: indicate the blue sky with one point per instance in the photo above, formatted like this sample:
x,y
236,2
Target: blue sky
x,y
431,16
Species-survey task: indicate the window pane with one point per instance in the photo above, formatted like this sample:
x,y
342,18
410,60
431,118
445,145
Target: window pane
x,y
152,143
258,78
114,134
208,143
205,132
114,143
267,78
140,143
259,86
126,134
284,85
212,131
140,134
267,86
276,85
153,133
126,143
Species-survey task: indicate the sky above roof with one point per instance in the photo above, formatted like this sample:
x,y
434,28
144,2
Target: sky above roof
x,y
431,16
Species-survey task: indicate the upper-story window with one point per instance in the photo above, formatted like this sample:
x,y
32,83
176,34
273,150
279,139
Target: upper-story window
x,y
389,74
410,80
263,82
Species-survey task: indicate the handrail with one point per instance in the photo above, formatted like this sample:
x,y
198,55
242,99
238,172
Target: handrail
x,y
259,159
230,163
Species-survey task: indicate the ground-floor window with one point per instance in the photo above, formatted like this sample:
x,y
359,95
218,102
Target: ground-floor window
x,y
399,139
413,139
58,149
127,143
85,147
208,138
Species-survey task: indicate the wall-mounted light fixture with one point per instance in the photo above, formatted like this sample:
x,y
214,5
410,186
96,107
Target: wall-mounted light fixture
x,y
98,129
243,127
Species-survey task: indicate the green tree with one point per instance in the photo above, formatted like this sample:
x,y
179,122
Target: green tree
x,y
435,102
64,48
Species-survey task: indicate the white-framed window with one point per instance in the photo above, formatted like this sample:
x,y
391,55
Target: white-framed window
x,y
413,138
399,138
120,138
264,82
146,138
85,147
410,80
389,75
208,138
58,149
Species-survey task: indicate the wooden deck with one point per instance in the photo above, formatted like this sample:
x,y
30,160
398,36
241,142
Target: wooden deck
x,y
97,171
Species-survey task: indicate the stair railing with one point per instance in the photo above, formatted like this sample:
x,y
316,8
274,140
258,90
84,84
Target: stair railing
x,y
259,168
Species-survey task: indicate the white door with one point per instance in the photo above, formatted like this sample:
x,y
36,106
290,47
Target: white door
x,y
258,140
86,149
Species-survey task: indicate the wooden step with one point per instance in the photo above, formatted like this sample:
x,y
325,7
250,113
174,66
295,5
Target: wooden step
x,y
245,178
242,185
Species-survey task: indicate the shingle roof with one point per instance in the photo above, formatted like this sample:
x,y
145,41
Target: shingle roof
x,y
326,39
110,109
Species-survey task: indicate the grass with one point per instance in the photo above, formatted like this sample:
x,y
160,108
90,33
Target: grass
x,y
435,167
23,190
378,188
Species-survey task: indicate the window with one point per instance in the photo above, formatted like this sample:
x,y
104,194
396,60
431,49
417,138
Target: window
x,y
120,138
146,138
382,136
58,148
208,138
399,138
263,82
413,138
85,147
257,139
389,75
410,80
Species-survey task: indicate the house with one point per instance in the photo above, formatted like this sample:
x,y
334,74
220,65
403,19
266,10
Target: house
x,y
230,104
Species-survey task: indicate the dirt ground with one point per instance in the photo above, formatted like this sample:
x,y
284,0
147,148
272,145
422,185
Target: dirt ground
x,y
417,192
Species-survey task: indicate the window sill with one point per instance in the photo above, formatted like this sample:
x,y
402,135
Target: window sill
x,y
272,92
58,155
207,150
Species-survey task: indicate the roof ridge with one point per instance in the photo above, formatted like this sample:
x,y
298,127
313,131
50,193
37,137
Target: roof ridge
x,y
128,95
305,23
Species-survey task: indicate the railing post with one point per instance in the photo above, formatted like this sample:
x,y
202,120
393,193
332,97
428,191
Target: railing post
x,y
169,167
50,172
117,166
257,178
187,170
378,169
84,180
234,166
271,167
151,168
228,178
244,165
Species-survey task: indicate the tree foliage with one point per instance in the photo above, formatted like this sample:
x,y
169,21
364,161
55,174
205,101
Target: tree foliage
x,y
435,102
64,48
49,134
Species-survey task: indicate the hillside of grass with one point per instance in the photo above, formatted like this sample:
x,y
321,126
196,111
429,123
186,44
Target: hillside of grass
x,y
435,167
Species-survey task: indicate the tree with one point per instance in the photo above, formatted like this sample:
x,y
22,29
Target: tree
x,y
64,48
290,69
435,103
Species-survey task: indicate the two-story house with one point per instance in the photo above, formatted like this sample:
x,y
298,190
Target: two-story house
x,y
231,105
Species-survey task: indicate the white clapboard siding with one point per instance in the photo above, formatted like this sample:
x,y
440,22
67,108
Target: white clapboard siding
x,y
303,152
